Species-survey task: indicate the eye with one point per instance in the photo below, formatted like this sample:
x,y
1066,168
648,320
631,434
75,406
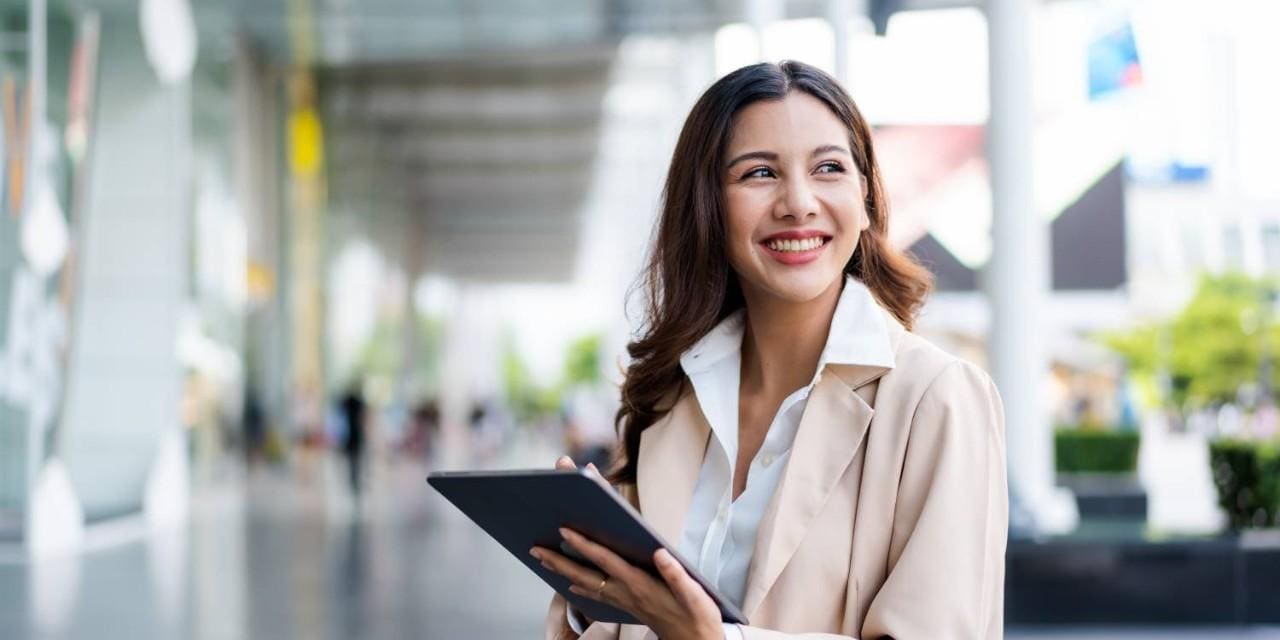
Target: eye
x,y
830,167
758,172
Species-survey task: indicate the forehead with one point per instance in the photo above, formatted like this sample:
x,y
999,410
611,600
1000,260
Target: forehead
x,y
797,122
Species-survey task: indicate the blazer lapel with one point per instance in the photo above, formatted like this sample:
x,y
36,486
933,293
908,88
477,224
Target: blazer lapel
x,y
671,453
831,431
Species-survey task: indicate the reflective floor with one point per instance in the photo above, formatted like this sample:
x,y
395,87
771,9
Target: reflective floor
x,y
276,553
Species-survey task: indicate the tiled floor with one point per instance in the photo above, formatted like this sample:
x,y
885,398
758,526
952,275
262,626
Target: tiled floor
x,y
286,555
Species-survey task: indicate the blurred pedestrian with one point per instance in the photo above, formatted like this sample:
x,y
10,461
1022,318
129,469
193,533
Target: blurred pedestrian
x,y
424,424
254,422
353,409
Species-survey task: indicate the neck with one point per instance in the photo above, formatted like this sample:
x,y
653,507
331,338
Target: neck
x,y
783,340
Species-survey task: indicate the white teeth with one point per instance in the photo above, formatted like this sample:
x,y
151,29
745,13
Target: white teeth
x,y
808,244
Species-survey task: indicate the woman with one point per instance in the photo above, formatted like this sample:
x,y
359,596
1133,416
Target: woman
x,y
829,471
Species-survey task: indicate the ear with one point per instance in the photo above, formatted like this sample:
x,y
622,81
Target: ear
x,y
864,221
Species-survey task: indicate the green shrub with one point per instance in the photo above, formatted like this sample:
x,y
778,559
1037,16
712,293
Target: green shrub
x,y
1092,450
1247,477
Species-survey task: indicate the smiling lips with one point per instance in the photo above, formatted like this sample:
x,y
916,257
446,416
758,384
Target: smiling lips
x,y
795,247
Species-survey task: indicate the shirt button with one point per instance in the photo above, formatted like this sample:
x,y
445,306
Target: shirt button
x,y
768,459
724,513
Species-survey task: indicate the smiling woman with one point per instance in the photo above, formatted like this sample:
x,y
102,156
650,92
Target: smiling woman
x,y
771,398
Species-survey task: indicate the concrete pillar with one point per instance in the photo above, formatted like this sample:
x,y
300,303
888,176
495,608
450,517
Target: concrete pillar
x,y
760,14
124,382
258,185
305,240
413,262
839,13
1017,279
463,349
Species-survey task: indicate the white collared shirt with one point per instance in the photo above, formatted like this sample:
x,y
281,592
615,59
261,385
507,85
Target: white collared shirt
x,y
719,533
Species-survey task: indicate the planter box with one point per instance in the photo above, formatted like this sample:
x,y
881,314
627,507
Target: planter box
x,y
1224,580
1107,496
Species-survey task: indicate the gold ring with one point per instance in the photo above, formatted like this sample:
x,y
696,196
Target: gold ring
x,y
600,590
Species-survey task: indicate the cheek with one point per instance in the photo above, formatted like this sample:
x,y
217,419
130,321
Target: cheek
x,y
853,222
847,247
742,216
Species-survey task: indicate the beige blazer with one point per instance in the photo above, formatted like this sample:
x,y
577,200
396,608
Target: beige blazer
x,y
890,520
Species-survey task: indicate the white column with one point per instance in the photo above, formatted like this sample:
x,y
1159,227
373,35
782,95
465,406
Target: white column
x,y
124,382
258,184
37,25
760,14
838,14
462,338
1017,279
413,262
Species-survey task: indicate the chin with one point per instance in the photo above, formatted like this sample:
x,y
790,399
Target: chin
x,y
800,286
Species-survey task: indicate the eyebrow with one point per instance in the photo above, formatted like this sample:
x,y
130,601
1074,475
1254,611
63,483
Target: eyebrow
x,y
772,157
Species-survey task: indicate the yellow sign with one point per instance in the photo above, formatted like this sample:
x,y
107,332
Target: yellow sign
x,y
306,143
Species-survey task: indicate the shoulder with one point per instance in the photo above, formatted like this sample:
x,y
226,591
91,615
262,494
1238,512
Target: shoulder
x,y
920,358
931,381
917,365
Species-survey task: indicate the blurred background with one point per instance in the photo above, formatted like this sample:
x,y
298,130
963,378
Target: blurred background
x,y
266,263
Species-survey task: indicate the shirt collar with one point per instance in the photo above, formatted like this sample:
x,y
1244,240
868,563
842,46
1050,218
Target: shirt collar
x,y
719,343
859,335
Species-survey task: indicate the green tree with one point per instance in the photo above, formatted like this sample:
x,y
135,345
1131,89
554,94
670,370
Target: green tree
x,y
1212,348
528,400
382,354
582,362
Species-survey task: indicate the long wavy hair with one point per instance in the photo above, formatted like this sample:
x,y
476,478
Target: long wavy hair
x,y
688,283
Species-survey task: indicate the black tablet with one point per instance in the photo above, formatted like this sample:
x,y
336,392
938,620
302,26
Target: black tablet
x,y
524,509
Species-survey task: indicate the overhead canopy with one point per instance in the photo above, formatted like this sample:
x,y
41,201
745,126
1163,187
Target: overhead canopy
x,y
473,123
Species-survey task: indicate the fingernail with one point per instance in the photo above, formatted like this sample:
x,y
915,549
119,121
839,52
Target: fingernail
x,y
565,533
534,552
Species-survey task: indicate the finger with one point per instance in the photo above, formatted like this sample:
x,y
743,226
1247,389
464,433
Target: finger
x,y
595,473
574,571
610,562
686,590
565,463
594,593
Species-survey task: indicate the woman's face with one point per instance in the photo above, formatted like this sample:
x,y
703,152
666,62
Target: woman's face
x,y
794,199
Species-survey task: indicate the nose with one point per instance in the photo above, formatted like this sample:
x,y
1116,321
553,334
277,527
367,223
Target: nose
x,y
797,200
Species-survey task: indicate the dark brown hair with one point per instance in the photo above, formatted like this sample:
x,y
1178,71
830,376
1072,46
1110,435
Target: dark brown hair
x,y
689,285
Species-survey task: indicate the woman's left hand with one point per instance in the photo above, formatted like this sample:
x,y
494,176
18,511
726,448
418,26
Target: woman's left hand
x,y
675,607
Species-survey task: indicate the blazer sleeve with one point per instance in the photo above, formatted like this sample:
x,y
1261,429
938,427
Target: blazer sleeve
x,y
557,623
950,526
